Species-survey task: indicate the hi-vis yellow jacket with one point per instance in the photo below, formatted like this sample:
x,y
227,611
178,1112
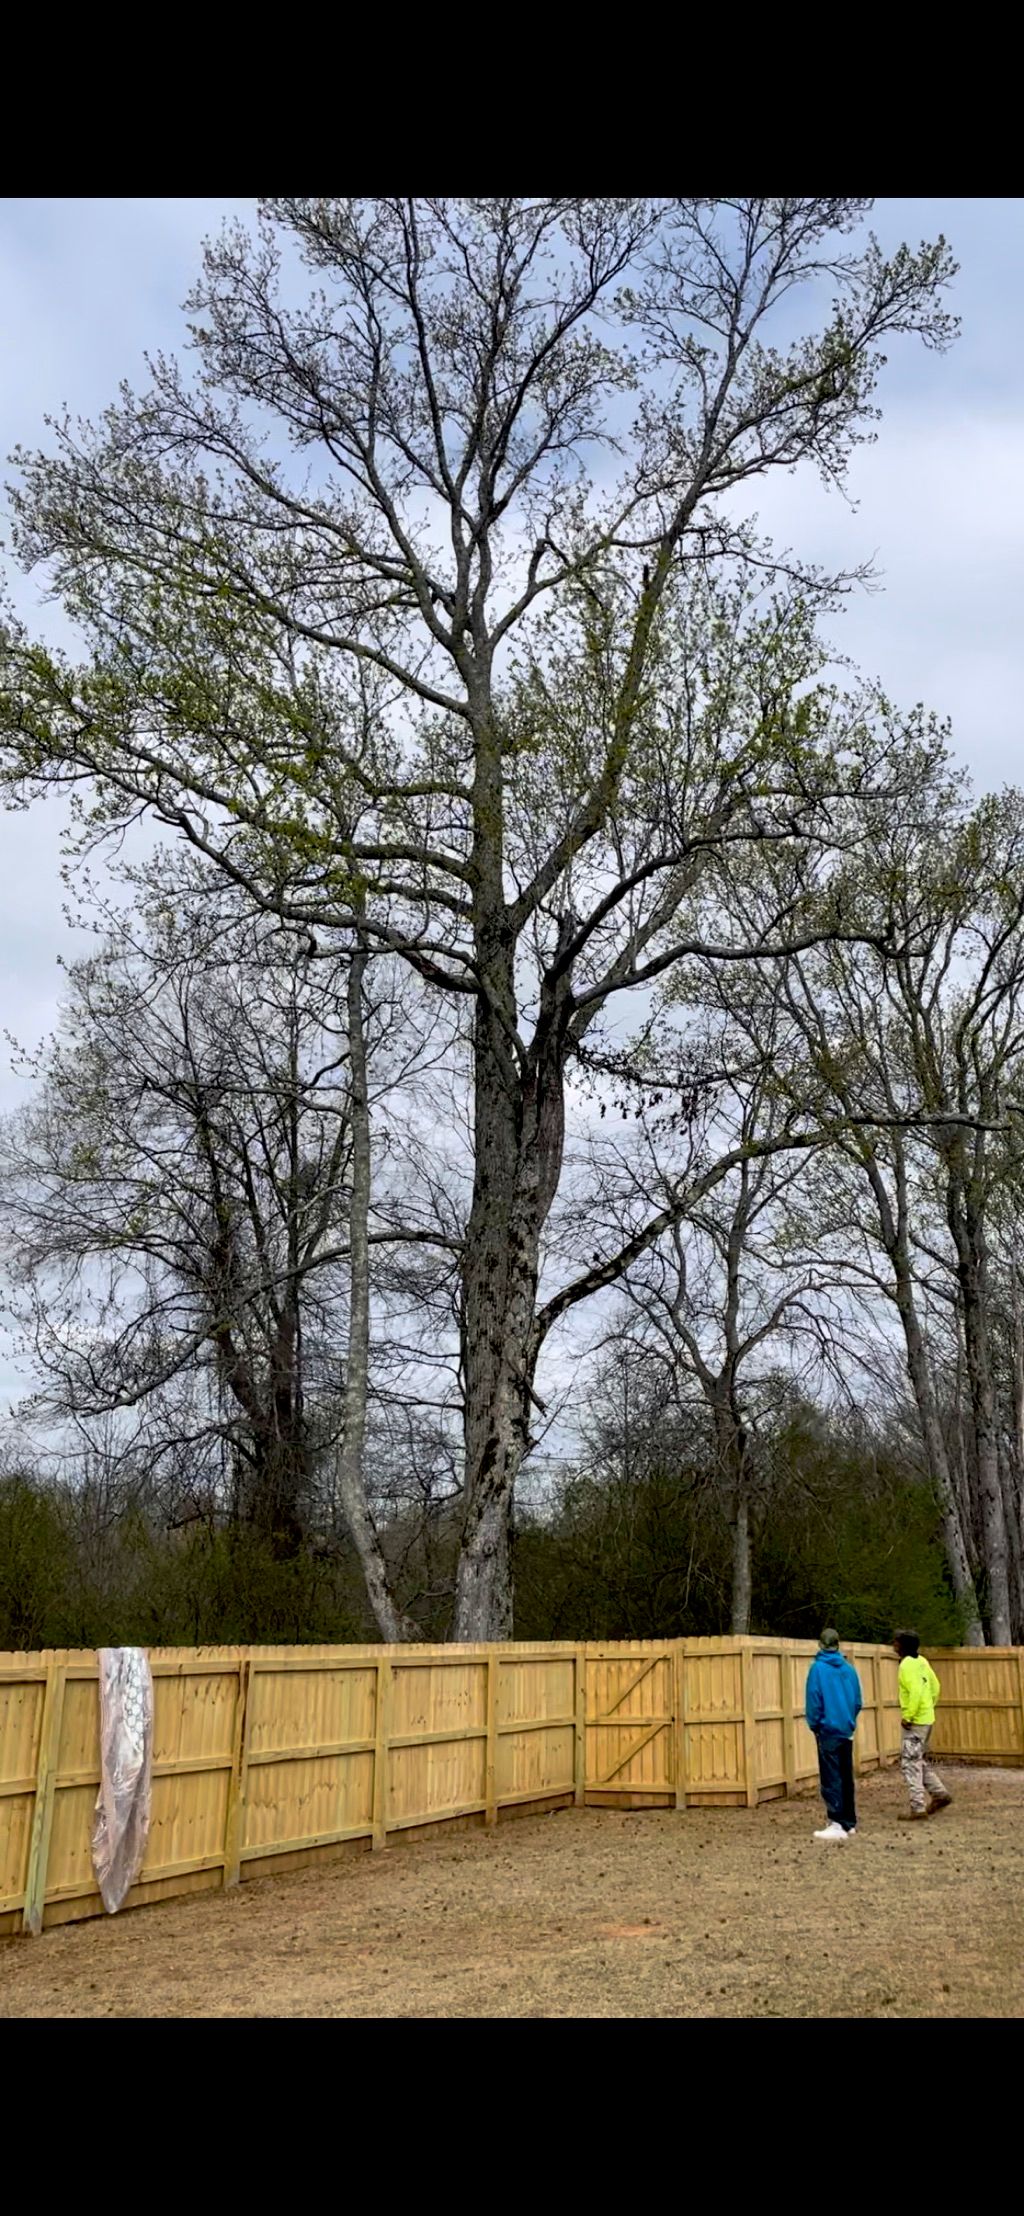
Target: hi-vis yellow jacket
x,y
919,1690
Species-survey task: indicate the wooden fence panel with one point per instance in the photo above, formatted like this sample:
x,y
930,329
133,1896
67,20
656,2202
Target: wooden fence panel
x,y
24,1681
535,1726
806,1754
766,1673
194,1705
714,1763
308,1754
888,1669
744,1736
438,1742
630,1724
980,1716
867,1740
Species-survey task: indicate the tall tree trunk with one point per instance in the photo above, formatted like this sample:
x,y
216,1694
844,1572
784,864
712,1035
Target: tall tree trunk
x,y
499,1357
285,1465
1008,1476
1016,1511
271,1473
939,1467
959,1432
734,1463
968,1238
894,1226
742,1575
392,1624
519,1129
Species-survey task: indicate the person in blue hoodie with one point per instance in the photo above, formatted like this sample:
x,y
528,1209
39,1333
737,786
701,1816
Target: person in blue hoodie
x,y
832,1705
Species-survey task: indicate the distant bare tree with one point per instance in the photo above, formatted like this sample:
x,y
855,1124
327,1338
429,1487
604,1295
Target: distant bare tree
x,y
727,1296
189,1207
916,1036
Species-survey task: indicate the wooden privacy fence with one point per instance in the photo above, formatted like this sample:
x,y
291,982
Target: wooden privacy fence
x,y
980,1716
267,1757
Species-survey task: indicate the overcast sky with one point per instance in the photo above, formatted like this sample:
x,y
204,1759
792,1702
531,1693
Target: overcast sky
x,y
88,286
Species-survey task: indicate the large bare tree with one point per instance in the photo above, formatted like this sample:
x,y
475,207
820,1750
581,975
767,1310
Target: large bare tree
x,y
314,580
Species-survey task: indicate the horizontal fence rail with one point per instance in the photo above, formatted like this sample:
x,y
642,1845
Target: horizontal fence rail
x,y
265,1758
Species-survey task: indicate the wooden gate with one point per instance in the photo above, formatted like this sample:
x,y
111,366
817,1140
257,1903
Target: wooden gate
x,y
633,1698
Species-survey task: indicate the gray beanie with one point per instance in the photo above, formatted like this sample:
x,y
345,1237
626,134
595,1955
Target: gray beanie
x,y
829,1638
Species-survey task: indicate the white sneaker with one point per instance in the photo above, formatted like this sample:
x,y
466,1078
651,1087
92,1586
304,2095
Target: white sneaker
x,y
833,1832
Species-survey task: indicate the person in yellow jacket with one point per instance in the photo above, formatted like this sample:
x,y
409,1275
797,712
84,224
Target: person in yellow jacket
x,y
919,1691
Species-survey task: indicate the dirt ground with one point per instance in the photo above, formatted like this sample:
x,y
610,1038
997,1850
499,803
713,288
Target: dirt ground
x,y
588,1913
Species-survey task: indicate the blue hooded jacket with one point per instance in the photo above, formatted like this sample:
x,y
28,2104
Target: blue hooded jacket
x,y
833,1701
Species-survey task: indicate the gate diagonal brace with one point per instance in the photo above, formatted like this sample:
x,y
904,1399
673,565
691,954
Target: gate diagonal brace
x,y
661,1723
631,1688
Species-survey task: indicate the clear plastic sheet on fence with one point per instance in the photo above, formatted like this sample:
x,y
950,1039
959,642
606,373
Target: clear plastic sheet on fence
x,y
126,1762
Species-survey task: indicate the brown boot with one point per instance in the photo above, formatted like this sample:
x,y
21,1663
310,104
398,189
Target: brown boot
x,y
938,1801
914,1816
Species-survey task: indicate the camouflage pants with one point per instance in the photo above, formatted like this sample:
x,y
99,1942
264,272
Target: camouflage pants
x,y
920,1778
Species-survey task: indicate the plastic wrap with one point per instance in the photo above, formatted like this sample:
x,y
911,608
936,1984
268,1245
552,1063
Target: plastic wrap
x,y
126,1763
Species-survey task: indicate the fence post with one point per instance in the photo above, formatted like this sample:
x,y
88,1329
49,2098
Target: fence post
x,y
235,1822
879,1710
1020,1674
491,1756
749,1725
679,1705
580,1709
42,1814
788,1721
381,1751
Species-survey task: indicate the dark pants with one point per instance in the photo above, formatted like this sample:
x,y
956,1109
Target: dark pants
x,y
835,1769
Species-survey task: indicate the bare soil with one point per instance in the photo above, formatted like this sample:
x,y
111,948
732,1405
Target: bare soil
x,y
588,1913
